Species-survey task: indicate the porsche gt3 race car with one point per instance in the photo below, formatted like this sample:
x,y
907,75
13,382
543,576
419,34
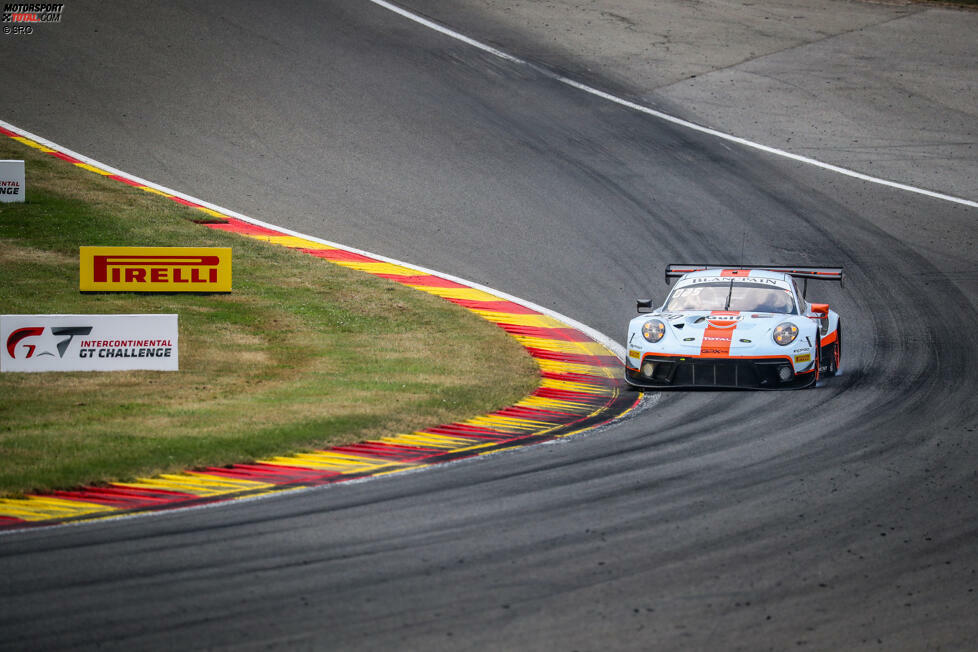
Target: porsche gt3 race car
x,y
735,326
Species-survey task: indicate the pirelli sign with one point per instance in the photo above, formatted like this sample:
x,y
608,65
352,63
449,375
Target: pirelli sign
x,y
155,269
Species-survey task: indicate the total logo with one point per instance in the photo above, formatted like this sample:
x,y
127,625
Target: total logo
x,y
39,344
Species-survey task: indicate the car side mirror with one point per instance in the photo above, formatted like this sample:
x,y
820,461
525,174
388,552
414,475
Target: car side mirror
x,y
821,309
644,305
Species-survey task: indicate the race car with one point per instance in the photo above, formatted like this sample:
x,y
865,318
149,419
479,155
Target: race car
x,y
735,326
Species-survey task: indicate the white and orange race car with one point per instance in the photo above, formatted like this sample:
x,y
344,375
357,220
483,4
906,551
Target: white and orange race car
x,y
735,326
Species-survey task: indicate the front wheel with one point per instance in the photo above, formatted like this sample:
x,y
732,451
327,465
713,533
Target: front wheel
x,y
818,360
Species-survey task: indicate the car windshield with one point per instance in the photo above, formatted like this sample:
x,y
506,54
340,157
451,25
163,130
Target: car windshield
x,y
745,297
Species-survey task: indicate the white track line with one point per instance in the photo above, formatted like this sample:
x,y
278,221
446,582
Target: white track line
x,y
671,118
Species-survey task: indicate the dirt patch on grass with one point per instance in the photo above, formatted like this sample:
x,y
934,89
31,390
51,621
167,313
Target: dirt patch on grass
x,y
12,254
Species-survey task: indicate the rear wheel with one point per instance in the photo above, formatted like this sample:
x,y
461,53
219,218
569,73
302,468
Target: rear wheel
x,y
835,357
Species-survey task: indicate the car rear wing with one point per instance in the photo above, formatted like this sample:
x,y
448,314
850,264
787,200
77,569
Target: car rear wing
x,y
676,270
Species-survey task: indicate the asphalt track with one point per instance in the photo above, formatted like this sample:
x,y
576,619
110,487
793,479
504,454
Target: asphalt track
x,y
842,517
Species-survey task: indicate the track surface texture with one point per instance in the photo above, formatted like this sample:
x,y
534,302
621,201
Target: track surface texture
x,y
838,518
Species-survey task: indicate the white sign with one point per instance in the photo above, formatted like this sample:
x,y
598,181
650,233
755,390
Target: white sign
x,y
88,342
12,183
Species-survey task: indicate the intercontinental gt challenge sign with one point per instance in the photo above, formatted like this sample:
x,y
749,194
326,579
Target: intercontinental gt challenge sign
x,y
12,181
88,342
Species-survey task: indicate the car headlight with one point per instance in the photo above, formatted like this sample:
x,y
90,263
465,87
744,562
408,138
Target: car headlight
x,y
653,330
785,333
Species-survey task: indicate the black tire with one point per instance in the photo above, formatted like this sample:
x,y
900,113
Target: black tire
x,y
835,357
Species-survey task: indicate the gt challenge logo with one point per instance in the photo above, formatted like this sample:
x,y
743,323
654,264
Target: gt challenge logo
x,y
41,344
45,345
33,343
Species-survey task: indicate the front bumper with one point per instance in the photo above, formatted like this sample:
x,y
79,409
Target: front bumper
x,y
686,371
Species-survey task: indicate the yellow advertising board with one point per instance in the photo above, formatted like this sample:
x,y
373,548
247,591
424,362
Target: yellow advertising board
x,y
155,269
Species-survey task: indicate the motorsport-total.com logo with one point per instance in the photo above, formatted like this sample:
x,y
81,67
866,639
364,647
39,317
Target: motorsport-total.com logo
x,y
20,17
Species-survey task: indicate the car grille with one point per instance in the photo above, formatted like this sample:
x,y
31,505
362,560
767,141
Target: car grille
x,y
701,372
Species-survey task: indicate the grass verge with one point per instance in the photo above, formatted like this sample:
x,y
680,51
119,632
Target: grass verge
x,y
301,355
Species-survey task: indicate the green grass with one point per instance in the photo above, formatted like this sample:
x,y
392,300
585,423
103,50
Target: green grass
x,y
302,354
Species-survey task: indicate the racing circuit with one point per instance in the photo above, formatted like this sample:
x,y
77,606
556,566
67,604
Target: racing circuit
x,y
840,517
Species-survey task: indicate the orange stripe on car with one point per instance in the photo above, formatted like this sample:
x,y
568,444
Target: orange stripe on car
x,y
718,334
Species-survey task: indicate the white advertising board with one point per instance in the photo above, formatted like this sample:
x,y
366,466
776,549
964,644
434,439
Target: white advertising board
x,y
12,181
88,342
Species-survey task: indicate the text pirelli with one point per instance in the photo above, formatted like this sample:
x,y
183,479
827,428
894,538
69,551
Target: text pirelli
x,y
155,269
